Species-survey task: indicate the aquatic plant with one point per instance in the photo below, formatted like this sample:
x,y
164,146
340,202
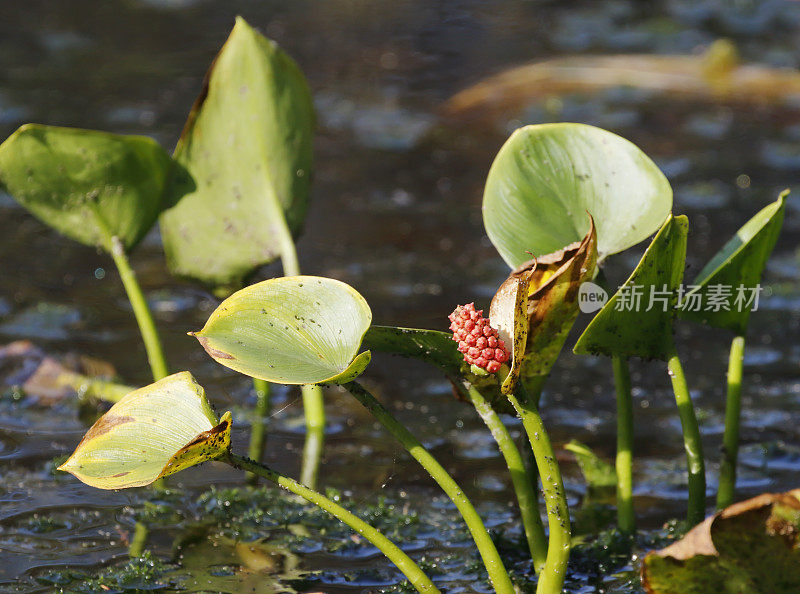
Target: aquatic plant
x,y
559,200
247,151
542,182
731,279
169,426
620,330
308,330
100,189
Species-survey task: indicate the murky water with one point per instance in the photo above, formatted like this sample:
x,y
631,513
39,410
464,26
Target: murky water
x,y
396,213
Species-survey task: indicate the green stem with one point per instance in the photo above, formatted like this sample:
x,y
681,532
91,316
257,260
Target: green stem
x,y
314,410
257,429
139,540
403,562
691,441
144,318
730,443
523,488
491,558
551,579
626,518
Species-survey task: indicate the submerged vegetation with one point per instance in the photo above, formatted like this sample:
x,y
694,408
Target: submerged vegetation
x,y
560,199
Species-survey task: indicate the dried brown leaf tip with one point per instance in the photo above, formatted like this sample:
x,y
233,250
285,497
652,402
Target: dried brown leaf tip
x,y
536,306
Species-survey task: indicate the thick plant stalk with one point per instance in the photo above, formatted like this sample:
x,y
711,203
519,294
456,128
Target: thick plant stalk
x,y
730,443
523,487
691,441
144,318
491,558
139,540
314,409
552,576
257,430
626,519
403,562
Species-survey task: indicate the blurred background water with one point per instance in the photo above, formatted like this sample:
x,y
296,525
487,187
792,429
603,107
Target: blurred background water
x,y
395,213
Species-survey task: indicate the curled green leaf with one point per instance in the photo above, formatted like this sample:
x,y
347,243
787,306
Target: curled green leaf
x,y
152,432
291,330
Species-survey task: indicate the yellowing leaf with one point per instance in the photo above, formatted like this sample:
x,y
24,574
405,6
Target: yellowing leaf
x,y
291,330
152,432
536,306
508,313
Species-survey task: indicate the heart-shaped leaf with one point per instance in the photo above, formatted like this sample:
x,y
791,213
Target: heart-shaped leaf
x,y
723,294
537,305
291,330
751,546
637,321
247,146
152,432
89,185
546,177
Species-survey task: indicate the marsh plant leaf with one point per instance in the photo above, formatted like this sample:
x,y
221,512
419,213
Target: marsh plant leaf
x,y
291,330
86,184
546,177
735,271
247,147
630,325
751,546
432,346
152,432
537,305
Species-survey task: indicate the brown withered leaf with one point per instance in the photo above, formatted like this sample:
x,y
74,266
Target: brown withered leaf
x,y
750,546
552,282
508,313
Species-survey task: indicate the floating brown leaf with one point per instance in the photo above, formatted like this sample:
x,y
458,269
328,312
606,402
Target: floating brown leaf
x,y
748,547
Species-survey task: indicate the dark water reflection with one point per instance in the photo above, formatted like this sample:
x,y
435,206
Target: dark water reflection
x,y
396,213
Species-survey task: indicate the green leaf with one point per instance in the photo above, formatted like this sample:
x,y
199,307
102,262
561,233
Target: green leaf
x,y
546,177
291,330
432,346
626,328
86,184
247,146
740,263
152,432
597,473
751,546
